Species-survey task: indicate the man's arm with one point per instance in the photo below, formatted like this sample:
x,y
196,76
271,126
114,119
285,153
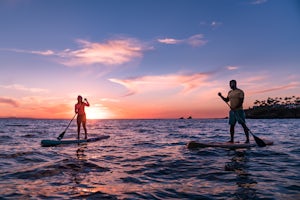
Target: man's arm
x,y
224,99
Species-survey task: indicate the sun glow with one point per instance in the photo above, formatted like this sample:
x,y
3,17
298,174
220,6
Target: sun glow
x,y
97,112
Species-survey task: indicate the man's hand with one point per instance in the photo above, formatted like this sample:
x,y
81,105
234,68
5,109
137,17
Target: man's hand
x,y
224,99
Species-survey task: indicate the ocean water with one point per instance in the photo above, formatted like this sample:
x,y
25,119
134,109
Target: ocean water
x,y
148,159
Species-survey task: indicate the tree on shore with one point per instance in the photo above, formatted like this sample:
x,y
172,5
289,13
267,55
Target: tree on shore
x,y
278,101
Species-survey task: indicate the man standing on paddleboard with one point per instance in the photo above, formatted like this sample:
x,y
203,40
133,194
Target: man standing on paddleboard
x,y
81,116
236,114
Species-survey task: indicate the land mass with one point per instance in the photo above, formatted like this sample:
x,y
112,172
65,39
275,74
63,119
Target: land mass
x,y
272,112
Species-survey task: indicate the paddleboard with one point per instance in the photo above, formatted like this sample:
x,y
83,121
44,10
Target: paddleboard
x,y
49,143
228,145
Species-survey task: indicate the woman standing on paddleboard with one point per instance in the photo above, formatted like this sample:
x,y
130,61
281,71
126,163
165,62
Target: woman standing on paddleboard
x,y
81,116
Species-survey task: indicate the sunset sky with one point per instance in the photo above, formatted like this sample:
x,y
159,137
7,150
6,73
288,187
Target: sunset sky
x,y
145,58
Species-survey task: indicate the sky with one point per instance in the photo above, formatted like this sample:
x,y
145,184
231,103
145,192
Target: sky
x,y
140,59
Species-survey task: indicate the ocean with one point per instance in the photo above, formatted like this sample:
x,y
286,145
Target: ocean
x,y
148,159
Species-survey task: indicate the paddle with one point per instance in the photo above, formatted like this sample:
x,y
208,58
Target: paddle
x,y
63,133
258,141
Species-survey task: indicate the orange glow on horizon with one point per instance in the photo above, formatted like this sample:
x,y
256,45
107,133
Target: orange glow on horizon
x,y
98,112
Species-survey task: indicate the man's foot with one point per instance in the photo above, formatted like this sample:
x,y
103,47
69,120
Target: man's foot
x,y
247,141
230,141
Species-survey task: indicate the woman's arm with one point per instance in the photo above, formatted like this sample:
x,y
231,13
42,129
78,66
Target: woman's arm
x,y
86,102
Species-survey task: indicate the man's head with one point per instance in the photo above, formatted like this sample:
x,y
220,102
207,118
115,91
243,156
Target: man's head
x,y
232,84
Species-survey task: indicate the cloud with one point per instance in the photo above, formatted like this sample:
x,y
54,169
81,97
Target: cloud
x,y
215,24
43,53
110,100
169,41
257,2
113,52
211,24
22,88
232,67
253,80
9,101
278,88
187,82
54,109
195,40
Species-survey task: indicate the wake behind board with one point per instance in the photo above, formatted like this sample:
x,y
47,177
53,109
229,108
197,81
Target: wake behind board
x,y
228,145
50,143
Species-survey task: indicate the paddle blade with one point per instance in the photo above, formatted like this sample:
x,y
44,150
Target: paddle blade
x,y
61,135
259,141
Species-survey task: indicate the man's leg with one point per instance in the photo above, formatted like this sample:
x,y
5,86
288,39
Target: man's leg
x,y
231,133
242,121
232,122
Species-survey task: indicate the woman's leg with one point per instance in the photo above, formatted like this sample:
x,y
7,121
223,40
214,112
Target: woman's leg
x,y
78,127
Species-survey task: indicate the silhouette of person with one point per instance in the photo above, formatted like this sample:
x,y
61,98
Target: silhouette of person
x,y
236,114
81,116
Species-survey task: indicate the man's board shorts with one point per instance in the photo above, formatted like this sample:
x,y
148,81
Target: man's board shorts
x,y
237,116
81,118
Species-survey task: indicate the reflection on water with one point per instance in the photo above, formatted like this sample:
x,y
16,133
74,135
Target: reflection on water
x,y
148,159
80,151
246,184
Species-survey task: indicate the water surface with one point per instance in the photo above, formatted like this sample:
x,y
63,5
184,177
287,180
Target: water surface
x,y
148,159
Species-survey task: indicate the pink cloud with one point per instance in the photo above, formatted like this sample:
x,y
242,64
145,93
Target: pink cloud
x,y
113,52
278,88
22,88
163,82
9,101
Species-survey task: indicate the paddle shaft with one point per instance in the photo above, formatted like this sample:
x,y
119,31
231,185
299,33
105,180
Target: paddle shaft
x,y
63,133
70,122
